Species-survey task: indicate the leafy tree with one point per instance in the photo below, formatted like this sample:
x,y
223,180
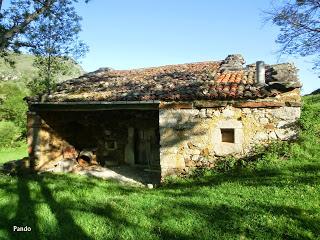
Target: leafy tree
x,y
9,133
299,27
12,114
49,30
54,41
19,15
12,107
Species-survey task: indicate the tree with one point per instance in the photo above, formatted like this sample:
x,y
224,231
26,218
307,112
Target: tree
x,y
12,113
12,108
46,28
54,40
299,27
15,20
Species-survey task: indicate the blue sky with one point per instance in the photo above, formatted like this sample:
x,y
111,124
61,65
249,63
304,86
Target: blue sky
x,y
126,34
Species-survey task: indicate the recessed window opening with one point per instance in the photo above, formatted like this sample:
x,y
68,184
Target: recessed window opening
x,y
227,135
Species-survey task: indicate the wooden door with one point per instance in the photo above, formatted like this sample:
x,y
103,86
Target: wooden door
x,y
147,147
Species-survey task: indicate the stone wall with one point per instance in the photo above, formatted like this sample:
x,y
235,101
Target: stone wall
x,y
193,137
45,145
192,134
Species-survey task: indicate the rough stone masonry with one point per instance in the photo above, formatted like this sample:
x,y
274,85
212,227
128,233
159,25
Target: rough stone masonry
x,y
169,119
192,138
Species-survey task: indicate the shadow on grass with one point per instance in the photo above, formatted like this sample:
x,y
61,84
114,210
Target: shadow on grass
x,y
67,228
305,219
221,221
273,177
210,221
26,212
273,174
174,213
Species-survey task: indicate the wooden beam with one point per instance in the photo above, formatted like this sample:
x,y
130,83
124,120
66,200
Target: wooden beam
x,y
258,104
293,104
91,106
211,103
176,105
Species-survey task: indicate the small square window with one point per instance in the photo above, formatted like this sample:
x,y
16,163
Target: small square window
x,y
227,135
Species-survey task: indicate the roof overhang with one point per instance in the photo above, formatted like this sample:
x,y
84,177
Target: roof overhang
x,y
93,106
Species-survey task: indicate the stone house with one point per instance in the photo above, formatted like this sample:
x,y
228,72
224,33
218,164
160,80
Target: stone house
x,y
171,118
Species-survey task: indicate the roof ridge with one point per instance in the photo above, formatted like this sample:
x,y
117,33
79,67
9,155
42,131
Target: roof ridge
x,y
162,66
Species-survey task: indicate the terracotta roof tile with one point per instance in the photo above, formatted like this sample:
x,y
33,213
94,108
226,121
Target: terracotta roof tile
x,y
204,80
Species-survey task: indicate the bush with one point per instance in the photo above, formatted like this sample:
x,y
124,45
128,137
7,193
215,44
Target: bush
x,y
12,107
226,164
9,133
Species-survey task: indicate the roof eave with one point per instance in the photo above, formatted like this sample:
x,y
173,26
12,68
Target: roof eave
x,y
93,106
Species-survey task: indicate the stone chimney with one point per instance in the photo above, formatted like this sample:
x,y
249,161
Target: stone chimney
x,y
233,62
260,73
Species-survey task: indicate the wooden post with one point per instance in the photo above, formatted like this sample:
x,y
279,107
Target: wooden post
x,y
129,149
33,139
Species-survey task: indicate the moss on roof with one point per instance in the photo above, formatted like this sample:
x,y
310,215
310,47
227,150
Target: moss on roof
x,y
226,79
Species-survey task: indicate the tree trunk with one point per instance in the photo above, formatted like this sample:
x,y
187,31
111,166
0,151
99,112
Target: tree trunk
x,y
49,75
10,33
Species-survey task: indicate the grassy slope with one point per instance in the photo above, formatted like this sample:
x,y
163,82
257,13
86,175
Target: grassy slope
x,y
23,65
278,198
24,68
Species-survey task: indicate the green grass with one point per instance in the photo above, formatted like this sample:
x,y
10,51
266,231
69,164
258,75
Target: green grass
x,y
12,154
275,198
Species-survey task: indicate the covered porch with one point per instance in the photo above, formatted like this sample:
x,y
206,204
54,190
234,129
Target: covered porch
x,y
117,136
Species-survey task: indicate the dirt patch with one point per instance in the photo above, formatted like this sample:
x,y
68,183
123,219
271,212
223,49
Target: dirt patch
x,y
134,175
126,174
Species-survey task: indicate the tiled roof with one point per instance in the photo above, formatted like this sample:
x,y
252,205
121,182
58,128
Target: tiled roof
x,y
226,79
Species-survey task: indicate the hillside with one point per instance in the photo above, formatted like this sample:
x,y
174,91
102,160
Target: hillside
x,y
16,83
24,69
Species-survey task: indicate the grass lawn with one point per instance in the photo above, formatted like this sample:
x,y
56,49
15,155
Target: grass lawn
x,y
12,154
278,197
